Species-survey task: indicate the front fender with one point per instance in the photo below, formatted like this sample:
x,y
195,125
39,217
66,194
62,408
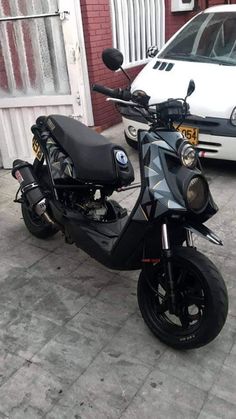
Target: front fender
x,y
203,231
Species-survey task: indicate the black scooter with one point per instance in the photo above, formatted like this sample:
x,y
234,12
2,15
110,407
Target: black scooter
x,y
181,294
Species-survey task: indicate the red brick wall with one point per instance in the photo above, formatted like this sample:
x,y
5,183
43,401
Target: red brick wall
x,y
98,36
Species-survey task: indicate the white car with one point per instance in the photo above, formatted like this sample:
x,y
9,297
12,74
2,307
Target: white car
x,y
203,50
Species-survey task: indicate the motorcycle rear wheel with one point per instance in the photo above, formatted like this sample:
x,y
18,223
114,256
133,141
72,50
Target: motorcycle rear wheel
x,y
202,300
36,225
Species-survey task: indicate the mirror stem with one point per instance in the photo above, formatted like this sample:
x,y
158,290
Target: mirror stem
x,y
126,74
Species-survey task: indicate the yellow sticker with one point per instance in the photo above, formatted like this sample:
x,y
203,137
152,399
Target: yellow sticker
x,y
37,149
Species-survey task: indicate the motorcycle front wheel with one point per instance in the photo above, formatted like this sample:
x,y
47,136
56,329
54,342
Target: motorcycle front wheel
x,y
201,300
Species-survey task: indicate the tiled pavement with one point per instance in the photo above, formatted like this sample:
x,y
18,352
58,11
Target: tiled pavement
x,y
73,344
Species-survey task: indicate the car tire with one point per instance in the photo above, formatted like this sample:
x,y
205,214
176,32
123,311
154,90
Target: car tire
x,y
131,143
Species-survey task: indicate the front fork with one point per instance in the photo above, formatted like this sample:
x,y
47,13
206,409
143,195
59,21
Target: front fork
x,y
167,256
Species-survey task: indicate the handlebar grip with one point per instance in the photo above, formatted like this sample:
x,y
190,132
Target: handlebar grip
x,y
126,95
106,90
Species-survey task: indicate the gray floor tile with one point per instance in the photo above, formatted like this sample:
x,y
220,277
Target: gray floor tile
x,y
163,396
233,350
30,391
77,411
8,314
146,349
119,291
4,172
89,286
104,390
50,244
86,279
72,251
5,201
198,367
8,185
93,328
9,364
136,324
232,298
60,304
2,416
90,268
215,408
8,270
115,315
224,387
94,263
227,337
24,333
134,275
67,355
25,255
53,264
8,244
23,291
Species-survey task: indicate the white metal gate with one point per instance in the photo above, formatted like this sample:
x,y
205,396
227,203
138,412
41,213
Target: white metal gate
x,y
136,26
43,69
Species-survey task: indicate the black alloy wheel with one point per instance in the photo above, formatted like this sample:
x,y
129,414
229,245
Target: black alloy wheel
x,y
201,300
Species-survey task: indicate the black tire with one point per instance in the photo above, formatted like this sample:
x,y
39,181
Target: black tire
x,y
131,143
202,301
36,224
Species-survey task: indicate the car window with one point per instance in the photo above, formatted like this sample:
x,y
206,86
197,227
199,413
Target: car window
x,y
210,37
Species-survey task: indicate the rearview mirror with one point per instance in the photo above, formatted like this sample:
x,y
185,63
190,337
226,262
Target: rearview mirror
x,y
112,58
191,88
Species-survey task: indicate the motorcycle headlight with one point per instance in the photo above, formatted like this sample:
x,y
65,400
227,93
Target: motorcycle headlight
x,y
188,156
197,194
233,117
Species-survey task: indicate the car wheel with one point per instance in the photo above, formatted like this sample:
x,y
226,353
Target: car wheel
x,y
131,143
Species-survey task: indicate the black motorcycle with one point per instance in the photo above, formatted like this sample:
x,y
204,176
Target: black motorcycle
x,y
181,294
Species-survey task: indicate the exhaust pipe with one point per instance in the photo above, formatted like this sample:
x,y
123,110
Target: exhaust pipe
x,y
23,172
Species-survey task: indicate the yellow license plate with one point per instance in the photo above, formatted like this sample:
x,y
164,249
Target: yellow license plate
x,y
37,149
190,133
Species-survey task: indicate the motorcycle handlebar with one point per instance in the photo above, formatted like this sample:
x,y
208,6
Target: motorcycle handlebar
x,y
106,91
115,93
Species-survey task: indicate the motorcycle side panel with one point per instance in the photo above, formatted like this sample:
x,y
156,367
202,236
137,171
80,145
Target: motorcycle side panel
x,y
157,198
117,245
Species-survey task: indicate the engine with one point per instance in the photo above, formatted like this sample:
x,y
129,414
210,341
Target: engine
x,y
95,210
92,205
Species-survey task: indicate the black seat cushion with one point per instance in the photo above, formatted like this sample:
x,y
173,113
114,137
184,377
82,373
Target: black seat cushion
x,y
91,153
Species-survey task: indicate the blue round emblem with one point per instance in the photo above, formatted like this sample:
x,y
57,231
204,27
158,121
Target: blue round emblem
x,y
121,157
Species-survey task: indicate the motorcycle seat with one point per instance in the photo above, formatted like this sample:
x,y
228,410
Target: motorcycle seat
x,y
92,154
